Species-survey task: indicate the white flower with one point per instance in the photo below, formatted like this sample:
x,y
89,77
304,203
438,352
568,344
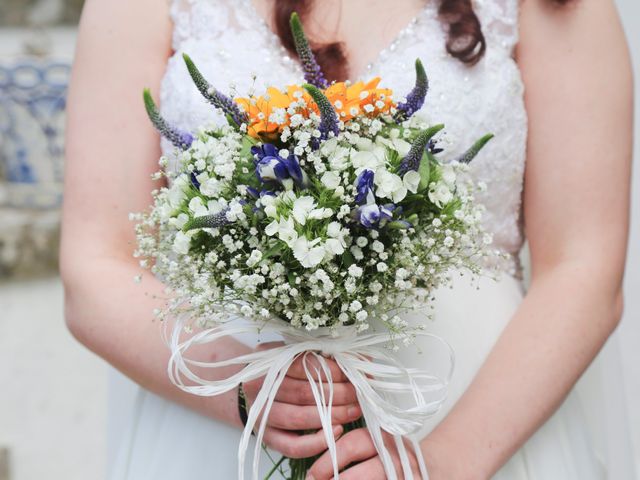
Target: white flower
x,y
320,213
181,243
235,211
449,175
336,242
411,180
355,306
334,246
362,242
254,258
330,180
211,187
285,228
197,207
302,207
355,271
176,193
329,146
179,221
440,194
272,228
334,230
395,142
368,159
382,267
308,252
389,185
377,246
357,252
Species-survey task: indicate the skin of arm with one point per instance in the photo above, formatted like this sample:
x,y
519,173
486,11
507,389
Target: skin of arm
x,y
579,97
111,152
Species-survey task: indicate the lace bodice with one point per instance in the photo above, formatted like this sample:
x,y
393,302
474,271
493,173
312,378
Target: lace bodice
x,y
232,45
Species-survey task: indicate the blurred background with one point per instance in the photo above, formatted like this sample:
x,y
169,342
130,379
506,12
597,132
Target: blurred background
x,y
53,392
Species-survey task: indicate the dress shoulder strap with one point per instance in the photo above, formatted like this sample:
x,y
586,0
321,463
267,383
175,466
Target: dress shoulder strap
x,y
205,19
499,19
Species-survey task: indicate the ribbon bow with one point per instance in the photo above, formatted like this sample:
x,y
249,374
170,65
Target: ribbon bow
x,y
372,369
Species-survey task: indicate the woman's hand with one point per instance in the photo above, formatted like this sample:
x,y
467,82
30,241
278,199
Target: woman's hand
x,y
295,410
356,447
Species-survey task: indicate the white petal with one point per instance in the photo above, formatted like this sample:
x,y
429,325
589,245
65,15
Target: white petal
x,y
411,180
272,228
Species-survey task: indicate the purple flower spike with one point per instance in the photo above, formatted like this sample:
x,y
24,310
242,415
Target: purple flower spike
x,y
208,221
470,154
328,116
179,138
416,97
213,96
312,71
414,157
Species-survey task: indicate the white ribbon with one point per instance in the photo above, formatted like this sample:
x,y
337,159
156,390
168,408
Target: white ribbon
x,y
370,367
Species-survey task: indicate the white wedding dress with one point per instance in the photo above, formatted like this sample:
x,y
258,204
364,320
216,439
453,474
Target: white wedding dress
x,y
585,439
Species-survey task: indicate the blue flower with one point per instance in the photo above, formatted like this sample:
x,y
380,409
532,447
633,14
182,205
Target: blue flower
x,y
372,215
270,166
253,192
364,186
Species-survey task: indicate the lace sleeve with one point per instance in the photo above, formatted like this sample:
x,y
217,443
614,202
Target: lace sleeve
x,y
499,20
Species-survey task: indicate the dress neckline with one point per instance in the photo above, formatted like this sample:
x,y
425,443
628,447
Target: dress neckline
x,y
375,62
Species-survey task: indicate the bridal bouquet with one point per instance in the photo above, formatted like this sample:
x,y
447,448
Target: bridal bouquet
x,y
320,212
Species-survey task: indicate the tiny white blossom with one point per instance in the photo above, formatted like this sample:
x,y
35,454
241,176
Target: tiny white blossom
x,y
355,271
254,258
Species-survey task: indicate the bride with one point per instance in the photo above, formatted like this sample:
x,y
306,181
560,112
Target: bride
x,y
551,79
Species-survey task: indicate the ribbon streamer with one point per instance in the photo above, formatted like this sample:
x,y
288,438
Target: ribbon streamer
x,y
371,367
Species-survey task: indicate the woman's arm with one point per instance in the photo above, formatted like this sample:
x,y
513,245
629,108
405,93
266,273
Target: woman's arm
x,y
578,82
577,74
112,150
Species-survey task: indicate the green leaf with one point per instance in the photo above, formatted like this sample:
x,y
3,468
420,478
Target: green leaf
x,y
425,172
273,251
397,225
347,259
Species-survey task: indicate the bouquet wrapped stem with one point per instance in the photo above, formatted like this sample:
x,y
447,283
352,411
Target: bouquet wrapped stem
x,y
323,213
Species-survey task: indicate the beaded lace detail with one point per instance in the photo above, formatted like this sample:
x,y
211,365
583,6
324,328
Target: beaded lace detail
x,y
237,52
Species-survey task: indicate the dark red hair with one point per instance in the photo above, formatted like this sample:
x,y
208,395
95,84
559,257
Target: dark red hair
x,y
465,40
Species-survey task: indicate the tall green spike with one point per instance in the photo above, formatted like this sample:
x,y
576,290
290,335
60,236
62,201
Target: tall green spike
x,y
213,96
180,139
207,221
413,158
328,116
470,154
312,71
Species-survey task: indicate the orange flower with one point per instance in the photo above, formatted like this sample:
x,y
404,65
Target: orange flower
x,y
260,110
359,98
348,100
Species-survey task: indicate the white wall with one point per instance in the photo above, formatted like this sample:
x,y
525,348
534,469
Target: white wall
x,y
629,333
53,391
